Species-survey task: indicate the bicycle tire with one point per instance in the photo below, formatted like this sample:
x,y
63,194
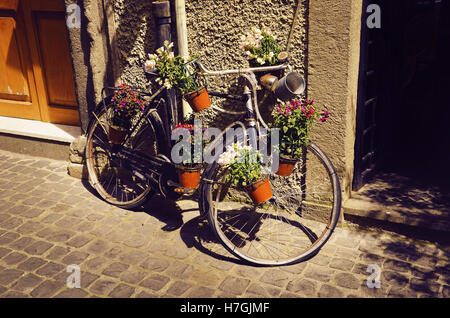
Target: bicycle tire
x,y
129,189
244,238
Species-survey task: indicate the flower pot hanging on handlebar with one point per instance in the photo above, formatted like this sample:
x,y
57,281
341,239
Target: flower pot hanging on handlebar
x,y
199,99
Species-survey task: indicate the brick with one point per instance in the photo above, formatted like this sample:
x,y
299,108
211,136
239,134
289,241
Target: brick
x,y
11,223
398,266
38,248
68,222
14,294
115,269
155,282
61,235
144,294
4,251
262,291
29,227
122,291
234,285
87,279
320,259
96,263
394,279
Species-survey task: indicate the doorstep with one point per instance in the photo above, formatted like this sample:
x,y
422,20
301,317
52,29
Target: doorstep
x,y
396,199
37,138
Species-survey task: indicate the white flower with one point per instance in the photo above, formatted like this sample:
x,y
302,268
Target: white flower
x,y
149,65
260,61
159,81
271,54
171,55
167,83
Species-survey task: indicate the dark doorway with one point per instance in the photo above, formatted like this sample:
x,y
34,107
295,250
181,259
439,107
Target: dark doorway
x,y
403,117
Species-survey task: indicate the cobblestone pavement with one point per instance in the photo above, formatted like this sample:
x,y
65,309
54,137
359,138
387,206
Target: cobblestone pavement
x,y
49,220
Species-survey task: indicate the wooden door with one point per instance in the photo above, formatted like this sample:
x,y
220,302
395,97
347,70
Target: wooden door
x,y
34,52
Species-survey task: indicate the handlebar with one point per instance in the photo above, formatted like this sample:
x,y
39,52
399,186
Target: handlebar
x,y
205,71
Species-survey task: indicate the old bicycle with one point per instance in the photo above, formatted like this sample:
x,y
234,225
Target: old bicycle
x,y
290,227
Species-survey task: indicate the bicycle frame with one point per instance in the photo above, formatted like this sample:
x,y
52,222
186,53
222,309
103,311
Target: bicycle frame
x,y
154,167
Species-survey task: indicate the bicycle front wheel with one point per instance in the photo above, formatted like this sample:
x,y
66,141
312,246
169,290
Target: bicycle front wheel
x,y
291,227
112,177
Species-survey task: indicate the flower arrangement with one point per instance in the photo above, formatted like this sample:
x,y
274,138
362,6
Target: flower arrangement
x,y
178,72
295,119
260,47
244,164
196,140
244,167
126,103
189,168
172,70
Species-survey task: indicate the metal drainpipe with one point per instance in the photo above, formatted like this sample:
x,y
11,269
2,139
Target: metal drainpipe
x,y
161,13
182,41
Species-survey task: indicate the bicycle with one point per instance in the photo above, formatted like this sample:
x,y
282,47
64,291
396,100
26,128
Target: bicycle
x,y
291,227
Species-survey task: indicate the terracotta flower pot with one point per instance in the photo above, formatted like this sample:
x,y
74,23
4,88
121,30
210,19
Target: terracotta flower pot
x,y
189,177
116,135
260,191
286,167
198,100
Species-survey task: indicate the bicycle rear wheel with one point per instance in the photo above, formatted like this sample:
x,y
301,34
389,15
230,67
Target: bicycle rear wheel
x,y
289,228
112,177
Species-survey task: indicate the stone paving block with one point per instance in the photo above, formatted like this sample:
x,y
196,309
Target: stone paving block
x,y
75,257
29,227
122,291
276,277
115,269
234,285
155,282
97,263
180,270
178,288
22,243
72,293
58,252
26,283
398,266
302,286
4,251
47,289
320,259
79,241
347,280
11,223
103,286
8,237
9,275
155,264
133,257
38,248
32,264
14,294
342,264
133,276
145,294
13,258
328,291
319,273
50,269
